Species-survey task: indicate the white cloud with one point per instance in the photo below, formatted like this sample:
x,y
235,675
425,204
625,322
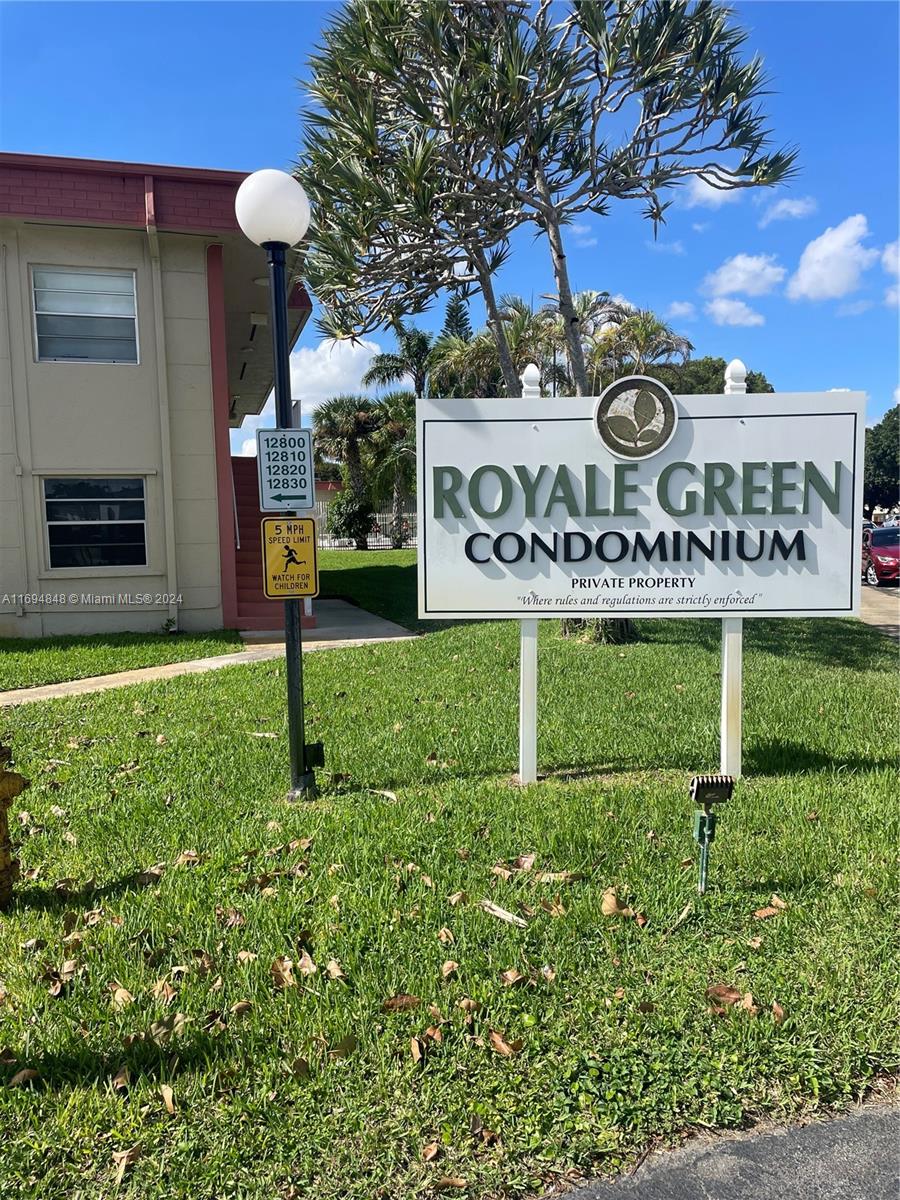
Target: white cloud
x,y
831,264
618,298
897,395
666,247
248,448
855,308
700,226
752,274
700,194
583,235
787,209
890,260
681,310
732,312
329,369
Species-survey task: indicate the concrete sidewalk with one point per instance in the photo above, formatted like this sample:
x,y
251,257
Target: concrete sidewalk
x,y
852,1157
881,607
342,625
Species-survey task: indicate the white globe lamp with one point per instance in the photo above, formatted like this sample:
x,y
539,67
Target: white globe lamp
x,y
272,208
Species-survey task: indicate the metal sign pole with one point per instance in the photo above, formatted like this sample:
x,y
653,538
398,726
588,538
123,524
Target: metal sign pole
x,y
528,648
731,717
303,780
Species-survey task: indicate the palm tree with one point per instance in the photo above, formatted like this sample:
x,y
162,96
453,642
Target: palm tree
x,y
641,341
392,456
466,367
532,336
594,312
341,425
411,358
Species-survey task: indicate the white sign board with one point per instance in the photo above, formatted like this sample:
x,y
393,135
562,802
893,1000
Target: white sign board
x,y
637,503
284,460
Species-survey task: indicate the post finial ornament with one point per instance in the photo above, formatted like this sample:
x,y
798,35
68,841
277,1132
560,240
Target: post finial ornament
x,y
735,378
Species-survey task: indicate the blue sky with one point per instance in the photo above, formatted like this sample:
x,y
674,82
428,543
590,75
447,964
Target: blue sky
x,y
800,283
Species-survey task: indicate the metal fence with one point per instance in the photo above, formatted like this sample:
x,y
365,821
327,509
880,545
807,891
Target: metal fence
x,y
380,536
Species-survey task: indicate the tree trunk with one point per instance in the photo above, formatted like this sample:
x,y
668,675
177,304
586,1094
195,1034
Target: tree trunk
x,y
507,366
397,515
571,323
357,483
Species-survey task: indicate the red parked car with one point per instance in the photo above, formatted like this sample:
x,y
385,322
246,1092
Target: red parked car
x,y
881,555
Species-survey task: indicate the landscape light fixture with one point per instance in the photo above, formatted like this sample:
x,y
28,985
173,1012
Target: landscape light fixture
x,y
273,210
707,790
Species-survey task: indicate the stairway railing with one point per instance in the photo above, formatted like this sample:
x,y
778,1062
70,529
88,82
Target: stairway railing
x,y
237,528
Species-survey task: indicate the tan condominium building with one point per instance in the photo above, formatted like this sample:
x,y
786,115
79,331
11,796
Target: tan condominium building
x,y
133,337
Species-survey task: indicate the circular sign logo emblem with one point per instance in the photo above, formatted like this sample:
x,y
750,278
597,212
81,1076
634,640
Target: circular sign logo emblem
x,y
636,417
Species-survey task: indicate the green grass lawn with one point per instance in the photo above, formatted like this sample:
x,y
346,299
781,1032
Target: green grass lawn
x,y
606,1046
383,581
29,662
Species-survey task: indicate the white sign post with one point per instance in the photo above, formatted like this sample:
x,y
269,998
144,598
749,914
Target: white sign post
x,y
637,503
284,461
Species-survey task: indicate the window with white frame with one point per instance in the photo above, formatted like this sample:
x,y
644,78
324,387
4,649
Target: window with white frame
x,y
85,316
95,522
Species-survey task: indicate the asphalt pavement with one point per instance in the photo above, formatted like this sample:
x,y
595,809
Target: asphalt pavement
x,y
851,1157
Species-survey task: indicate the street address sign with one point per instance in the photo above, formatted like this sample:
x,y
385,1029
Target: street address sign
x,y
284,459
290,569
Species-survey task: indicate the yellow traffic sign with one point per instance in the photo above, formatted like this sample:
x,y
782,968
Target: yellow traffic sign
x,y
289,558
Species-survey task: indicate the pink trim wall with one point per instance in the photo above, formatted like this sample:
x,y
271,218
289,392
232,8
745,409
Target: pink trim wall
x,y
115,193
215,285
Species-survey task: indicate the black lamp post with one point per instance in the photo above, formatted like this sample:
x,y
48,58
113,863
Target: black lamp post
x,y
272,209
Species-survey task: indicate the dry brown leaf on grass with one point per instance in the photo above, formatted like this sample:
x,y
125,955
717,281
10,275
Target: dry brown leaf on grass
x,y
417,1049
431,1151
755,943
24,1078
334,970
120,996
246,956
512,977
388,795
449,969
722,997
450,1183
777,1012
612,906
163,990
494,910
283,972
167,1028
168,1098
402,1002
445,937
151,874
187,858
306,966
300,1068
240,1007
121,1080
548,973
553,907
123,1159
504,1048
763,914
344,1047
456,899
60,978
748,1005
229,918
